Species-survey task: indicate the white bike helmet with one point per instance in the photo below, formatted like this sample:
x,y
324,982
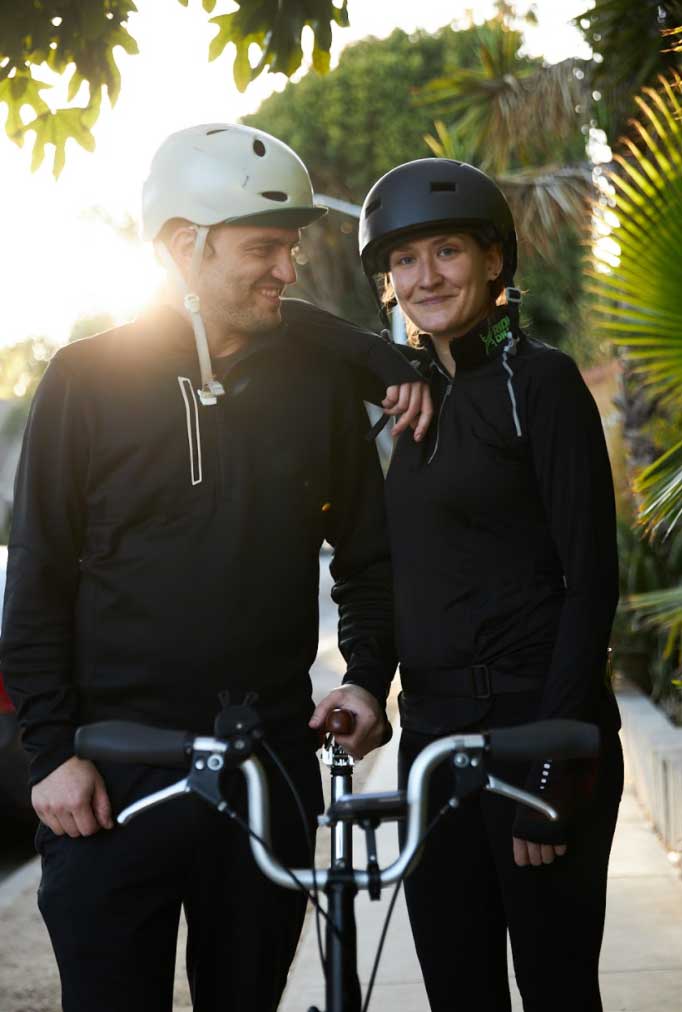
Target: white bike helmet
x,y
222,173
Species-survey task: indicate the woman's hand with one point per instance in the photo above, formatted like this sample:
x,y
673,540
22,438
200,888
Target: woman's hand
x,y
526,852
412,402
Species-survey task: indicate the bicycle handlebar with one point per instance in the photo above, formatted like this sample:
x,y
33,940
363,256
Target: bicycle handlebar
x,y
546,739
135,743
126,742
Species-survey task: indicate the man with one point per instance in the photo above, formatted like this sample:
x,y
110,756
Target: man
x,y
176,482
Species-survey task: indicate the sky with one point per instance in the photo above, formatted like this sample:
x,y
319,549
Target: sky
x,y
58,260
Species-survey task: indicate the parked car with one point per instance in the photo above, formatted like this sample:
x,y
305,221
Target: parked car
x,y
15,798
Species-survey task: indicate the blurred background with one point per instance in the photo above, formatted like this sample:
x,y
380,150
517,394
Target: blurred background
x,y
574,108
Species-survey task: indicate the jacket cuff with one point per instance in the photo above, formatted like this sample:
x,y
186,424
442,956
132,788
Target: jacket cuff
x,y
372,682
568,786
48,759
530,825
390,366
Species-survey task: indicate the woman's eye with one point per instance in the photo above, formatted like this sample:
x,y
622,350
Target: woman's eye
x,y
403,261
447,251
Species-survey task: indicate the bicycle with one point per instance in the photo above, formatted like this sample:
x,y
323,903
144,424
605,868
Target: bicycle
x,y
238,734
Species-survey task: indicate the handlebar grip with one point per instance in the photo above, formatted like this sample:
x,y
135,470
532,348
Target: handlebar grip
x,y
123,741
545,739
340,721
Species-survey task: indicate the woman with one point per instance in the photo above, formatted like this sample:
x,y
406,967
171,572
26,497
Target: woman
x,y
502,527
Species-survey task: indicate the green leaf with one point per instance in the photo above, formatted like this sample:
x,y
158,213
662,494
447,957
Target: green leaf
x,y
226,33
241,69
321,59
660,486
58,128
20,90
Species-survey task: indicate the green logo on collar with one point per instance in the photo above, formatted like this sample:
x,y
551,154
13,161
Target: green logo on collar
x,y
496,334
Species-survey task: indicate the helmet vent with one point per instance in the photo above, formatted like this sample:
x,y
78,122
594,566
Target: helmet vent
x,y
374,206
259,147
221,130
443,187
277,195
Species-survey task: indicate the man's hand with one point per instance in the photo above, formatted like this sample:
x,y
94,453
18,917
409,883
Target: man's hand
x,y
73,799
370,721
412,401
526,852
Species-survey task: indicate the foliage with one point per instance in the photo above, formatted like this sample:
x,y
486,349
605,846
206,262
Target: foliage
x,y
21,366
497,109
60,35
644,648
80,37
275,28
358,122
627,37
639,218
634,276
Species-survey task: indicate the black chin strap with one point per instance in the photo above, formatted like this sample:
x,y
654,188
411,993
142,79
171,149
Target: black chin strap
x,y
513,307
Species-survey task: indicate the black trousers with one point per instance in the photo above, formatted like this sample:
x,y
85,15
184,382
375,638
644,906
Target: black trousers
x,y
467,892
111,901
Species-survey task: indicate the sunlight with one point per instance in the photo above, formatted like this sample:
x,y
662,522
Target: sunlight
x,y
60,260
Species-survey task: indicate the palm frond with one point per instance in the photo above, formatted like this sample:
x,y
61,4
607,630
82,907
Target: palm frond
x,y
660,609
660,486
634,273
501,107
676,47
544,199
442,145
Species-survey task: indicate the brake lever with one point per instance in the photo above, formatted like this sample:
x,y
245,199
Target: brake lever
x,y
210,756
524,797
151,800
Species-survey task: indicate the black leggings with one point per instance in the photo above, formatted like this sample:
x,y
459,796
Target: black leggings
x,y
112,901
467,892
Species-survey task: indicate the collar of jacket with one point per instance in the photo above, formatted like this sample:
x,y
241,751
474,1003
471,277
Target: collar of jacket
x,y
169,334
486,341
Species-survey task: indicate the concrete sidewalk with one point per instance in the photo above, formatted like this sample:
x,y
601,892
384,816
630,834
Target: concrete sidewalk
x,y
641,965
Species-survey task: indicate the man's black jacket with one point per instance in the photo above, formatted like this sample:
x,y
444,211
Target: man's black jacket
x,y
163,551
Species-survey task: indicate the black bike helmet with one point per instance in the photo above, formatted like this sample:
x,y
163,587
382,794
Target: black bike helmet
x,y
420,195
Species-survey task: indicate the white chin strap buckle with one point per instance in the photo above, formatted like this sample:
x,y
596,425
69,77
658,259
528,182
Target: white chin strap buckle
x,y
211,391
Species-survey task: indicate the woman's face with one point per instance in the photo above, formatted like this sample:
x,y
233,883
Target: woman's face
x,y
441,282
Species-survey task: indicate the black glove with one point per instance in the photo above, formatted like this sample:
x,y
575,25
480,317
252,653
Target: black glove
x,y
568,786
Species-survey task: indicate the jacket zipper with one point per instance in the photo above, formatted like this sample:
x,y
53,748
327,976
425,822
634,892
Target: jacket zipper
x,y
448,388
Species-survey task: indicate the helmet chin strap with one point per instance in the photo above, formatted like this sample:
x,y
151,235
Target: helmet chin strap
x,y
513,297
211,388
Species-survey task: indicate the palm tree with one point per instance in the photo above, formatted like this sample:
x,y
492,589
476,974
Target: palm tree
x,y
635,279
498,110
627,36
